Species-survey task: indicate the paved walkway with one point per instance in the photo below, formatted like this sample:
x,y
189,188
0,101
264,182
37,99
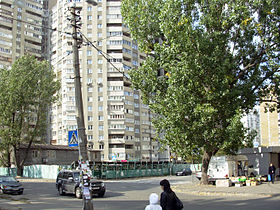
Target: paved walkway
x,y
263,190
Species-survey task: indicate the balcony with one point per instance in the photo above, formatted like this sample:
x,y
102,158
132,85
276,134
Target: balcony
x,y
117,141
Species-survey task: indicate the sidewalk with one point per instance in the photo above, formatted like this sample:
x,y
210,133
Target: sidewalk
x,y
263,190
25,179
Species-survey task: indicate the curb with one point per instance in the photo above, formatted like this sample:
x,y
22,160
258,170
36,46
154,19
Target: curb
x,y
35,180
214,193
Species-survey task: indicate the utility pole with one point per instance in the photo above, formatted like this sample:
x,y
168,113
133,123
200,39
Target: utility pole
x,y
83,155
151,140
77,83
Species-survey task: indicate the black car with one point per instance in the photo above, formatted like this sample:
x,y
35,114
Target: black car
x,y
184,172
10,185
69,182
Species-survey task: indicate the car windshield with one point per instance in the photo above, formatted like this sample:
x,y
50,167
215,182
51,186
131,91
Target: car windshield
x,y
76,175
7,179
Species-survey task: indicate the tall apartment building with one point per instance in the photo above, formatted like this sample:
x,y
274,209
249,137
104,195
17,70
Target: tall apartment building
x,y
252,121
22,29
270,129
267,125
117,123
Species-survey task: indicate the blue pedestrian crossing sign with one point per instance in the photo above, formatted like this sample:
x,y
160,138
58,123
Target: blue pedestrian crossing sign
x,y
73,138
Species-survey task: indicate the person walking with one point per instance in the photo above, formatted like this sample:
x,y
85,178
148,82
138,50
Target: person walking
x,y
271,172
168,198
153,203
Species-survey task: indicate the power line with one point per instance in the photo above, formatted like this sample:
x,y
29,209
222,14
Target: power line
x,y
103,55
49,28
68,33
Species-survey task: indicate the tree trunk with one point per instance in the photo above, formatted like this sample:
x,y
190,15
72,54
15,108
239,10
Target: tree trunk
x,y
205,163
20,163
8,160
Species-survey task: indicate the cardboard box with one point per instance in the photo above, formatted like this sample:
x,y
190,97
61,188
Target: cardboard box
x,y
254,183
223,183
238,185
248,182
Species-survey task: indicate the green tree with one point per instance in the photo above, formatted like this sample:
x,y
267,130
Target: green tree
x,y
220,58
26,93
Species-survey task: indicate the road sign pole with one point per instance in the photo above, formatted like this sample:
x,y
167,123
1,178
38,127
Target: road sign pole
x,y
79,140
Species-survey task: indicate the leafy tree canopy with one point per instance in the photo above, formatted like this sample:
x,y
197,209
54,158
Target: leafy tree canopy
x,y
220,59
26,92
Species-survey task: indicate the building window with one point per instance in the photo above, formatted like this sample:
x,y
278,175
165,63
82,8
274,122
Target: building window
x,y
89,108
101,137
100,118
90,137
99,8
89,17
89,52
100,98
99,25
89,71
35,154
90,118
90,127
101,127
101,146
100,108
100,80
89,8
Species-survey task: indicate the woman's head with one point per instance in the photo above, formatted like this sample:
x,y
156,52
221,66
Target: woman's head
x,y
165,185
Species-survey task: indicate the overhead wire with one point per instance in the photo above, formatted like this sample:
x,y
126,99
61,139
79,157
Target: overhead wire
x,y
103,55
68,33
45,27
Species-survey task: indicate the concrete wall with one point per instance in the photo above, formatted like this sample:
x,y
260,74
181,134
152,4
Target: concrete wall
x,y
51,157
261,157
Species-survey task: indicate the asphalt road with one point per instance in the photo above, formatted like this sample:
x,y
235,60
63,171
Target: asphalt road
x,y
129,194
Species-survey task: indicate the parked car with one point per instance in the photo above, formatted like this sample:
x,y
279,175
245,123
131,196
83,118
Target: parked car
x,y
184,172
10,185
68,181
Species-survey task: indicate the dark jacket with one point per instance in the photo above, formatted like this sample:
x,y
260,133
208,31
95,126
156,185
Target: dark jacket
x,y
168,201
271,169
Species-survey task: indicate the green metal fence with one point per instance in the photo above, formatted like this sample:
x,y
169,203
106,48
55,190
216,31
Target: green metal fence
x,y
107,170
119,170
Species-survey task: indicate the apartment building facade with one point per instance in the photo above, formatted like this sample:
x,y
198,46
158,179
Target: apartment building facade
x,y
117,123
23,30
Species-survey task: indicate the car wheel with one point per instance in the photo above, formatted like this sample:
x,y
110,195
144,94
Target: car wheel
x,y
101,194
60,191
1,191
20,193
78,193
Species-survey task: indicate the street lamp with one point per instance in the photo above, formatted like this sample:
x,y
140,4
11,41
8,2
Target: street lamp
x,y
83,156
93,3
